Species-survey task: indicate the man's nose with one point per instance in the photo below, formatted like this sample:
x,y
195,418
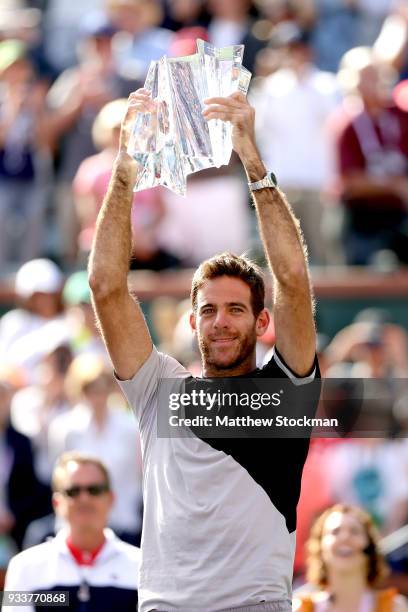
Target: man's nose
x,y
221,319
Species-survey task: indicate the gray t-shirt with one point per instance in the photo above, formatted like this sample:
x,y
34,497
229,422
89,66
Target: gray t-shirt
x,y
213,537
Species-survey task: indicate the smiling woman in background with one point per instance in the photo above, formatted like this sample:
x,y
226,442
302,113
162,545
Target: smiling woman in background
x,y
345,564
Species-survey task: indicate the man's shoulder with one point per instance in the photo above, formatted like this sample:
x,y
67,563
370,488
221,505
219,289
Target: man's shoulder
x,y
124,557
161,365
127,551
274,366
35,556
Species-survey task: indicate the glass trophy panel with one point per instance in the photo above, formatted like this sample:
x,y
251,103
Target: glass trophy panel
x,y
173,140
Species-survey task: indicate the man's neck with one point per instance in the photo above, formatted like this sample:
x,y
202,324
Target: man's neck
x,y
247,366
86,540
100,417
373,107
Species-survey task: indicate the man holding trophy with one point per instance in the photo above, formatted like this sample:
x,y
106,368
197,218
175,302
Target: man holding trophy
x,y
220,520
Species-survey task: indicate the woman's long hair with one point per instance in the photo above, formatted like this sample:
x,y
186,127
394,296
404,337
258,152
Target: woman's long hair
x,y
316,572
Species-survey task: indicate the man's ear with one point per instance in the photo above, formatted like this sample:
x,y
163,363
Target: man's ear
x,y
262,322
193,321
55,500
112,499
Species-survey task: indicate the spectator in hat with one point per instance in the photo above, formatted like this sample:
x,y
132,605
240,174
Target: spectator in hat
x,y
38,324
25,169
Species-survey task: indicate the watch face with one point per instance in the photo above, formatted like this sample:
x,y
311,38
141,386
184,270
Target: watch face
x,y
272,178
268,181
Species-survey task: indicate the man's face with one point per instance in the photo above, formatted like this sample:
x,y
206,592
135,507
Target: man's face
x,y
83,511
225,324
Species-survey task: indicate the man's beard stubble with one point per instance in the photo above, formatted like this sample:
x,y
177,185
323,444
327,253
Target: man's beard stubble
x,y
247,345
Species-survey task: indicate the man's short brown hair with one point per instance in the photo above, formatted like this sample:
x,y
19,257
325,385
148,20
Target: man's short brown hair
x,y
80,458
228,264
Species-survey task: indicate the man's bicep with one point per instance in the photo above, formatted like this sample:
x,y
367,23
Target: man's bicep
x,y
143,389
124,332
295,330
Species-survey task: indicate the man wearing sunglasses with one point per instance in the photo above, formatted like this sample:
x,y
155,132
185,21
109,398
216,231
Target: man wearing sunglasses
x,y
96,570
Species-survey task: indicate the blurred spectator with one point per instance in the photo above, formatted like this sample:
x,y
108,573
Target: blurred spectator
x,y
276,11
141,40
185,14
373,162
38,324
400,95
185,41
62,32
182,344
84,334
25,171
391,45
375,350
334,31
98,571
21,497
34,407
213,199
231,24
379,346
365,475
372,14
91,183
96,425
346,566
22,20
292,107
76,98
315,496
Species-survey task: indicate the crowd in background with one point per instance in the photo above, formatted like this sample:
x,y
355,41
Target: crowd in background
x,y
328,86
332,112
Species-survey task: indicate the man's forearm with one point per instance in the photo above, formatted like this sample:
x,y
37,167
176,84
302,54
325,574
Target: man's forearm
x,y
280,230
111,249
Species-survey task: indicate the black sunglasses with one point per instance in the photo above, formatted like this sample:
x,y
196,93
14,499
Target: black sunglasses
x,y
93,489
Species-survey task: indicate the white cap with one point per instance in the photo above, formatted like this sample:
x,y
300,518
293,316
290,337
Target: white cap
x,y
38,275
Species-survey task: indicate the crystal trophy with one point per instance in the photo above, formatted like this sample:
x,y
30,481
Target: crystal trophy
x,y
173,139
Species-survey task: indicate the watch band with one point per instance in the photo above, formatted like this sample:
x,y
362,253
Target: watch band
x,y
268,181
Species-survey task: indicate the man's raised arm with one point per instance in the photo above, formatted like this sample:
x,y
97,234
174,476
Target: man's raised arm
x,y
120,318
282,240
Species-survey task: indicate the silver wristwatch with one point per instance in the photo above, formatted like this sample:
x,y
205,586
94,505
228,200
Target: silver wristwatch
x,y
268,181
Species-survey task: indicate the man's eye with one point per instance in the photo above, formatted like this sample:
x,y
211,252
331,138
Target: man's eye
x,y
236,309
207,311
